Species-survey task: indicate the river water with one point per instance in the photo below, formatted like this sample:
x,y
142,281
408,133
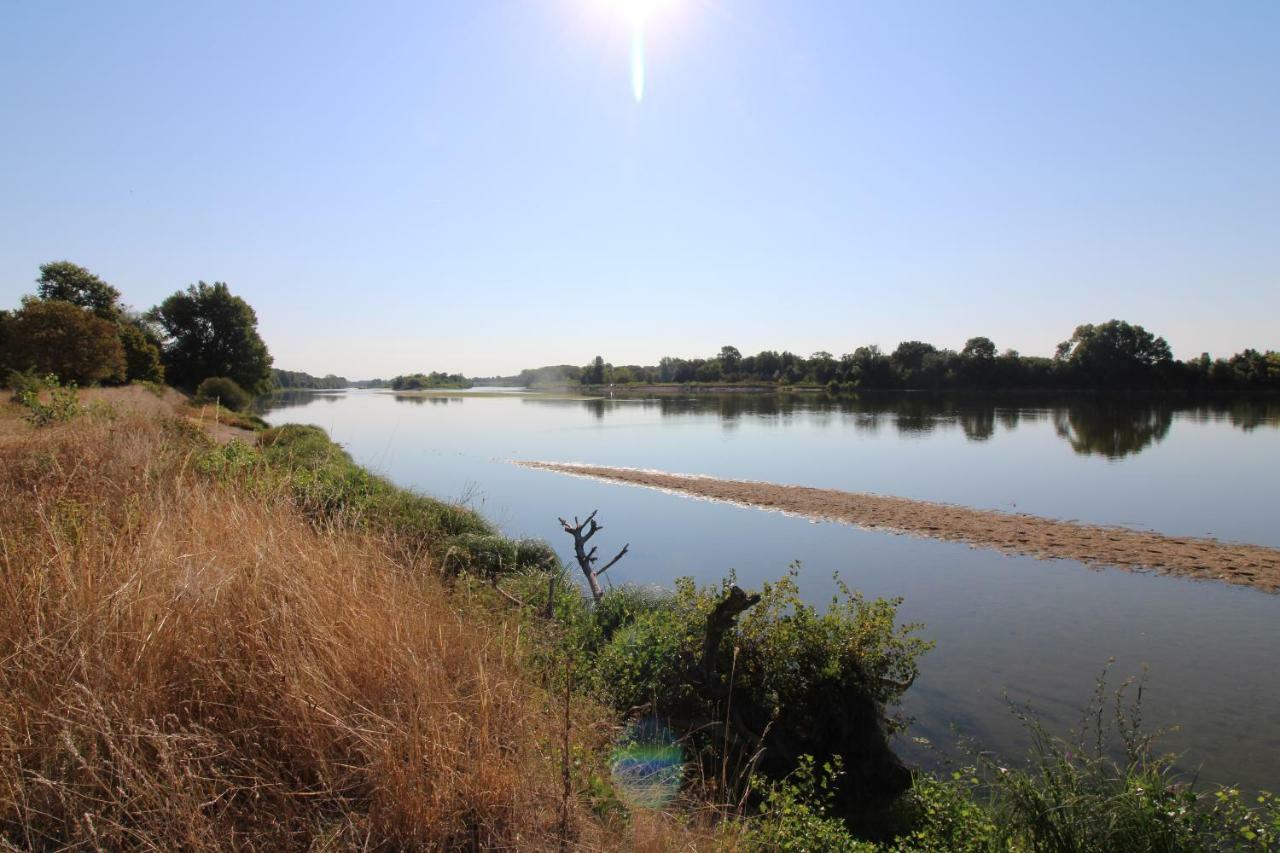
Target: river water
x,y
1007,628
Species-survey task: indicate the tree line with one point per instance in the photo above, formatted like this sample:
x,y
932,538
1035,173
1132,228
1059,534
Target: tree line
x,y
1111,355
425,381
297,380
76,328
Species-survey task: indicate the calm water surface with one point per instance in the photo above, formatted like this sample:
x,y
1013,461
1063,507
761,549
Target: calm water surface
x,y
1029,630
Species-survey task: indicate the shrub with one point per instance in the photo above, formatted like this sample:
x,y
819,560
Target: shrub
x,y
492,555
22,381
63,405
781,671
798,813
223,391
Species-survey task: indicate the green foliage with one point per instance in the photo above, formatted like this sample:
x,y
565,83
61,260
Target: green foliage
x,y
225,392
780,670
424,381
784,646
944,816
491,555
647,657
19,382
285,380
60,338
208,332
788,648
141,354
1114,354
67,282
234,461
63,405
798,813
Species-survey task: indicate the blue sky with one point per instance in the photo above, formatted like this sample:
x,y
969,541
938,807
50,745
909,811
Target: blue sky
x,y
471,186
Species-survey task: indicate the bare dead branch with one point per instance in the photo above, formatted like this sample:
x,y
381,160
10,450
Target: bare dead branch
x,y
581,531
607,565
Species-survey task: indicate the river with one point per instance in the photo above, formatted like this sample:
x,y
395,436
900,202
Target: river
x,y
1008,628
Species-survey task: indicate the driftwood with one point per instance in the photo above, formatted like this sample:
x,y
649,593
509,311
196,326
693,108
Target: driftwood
x,y
582,531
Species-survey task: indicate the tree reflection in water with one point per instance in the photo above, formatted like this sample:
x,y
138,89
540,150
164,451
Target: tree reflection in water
x,y
1093,425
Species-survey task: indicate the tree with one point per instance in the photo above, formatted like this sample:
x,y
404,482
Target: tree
x,y
53,336
68,282
141,354
1112,351
594,372
978,349
909,356
208,331
730,361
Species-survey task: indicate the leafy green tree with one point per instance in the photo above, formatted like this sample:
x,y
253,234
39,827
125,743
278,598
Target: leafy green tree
x,y
910,355
978,349
1113,351
141,354
730,361
54,336
68,282
209,331
823,366
593,374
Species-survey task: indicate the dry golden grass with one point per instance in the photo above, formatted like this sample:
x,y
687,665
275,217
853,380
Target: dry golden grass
x,y
187,666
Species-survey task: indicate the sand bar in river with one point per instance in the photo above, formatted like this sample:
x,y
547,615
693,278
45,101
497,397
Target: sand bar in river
x,y
1126,548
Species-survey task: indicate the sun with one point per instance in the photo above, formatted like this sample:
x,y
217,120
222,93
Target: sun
x,y
637,12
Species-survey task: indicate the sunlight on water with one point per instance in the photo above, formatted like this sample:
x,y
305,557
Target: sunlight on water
x,y
648,764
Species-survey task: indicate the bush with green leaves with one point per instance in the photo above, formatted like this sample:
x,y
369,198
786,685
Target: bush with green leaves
x,y
223,391
19,382
492,555
798,813
775,679
63,404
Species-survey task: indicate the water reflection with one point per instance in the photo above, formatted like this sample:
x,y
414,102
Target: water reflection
x,y
1109,427
294,398
1112,428
1112,431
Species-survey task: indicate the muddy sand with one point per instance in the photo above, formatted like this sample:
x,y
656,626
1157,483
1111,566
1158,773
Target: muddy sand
x,y
1136,550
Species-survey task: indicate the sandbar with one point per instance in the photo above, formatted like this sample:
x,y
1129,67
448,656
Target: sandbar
x,y
1014,533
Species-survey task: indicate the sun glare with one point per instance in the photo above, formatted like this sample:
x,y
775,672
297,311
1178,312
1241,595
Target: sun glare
x,y
637,13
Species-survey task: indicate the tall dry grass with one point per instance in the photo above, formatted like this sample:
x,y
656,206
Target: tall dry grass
x,y
184,665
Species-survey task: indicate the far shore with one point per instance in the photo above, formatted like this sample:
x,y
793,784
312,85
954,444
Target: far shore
x,y
1015,533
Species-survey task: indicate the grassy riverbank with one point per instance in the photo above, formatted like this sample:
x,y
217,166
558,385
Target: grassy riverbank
x,y
221,638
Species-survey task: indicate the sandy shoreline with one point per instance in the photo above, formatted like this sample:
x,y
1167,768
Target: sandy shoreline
x,y
1249,565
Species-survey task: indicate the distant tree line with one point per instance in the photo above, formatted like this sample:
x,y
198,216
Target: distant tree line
x,y
76,328
1115,355
424,381
287,380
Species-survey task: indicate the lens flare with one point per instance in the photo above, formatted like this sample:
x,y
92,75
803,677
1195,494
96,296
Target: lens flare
x,y
648,764
637,61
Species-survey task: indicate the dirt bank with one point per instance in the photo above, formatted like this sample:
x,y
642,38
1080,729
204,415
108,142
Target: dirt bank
x,y
1122,547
